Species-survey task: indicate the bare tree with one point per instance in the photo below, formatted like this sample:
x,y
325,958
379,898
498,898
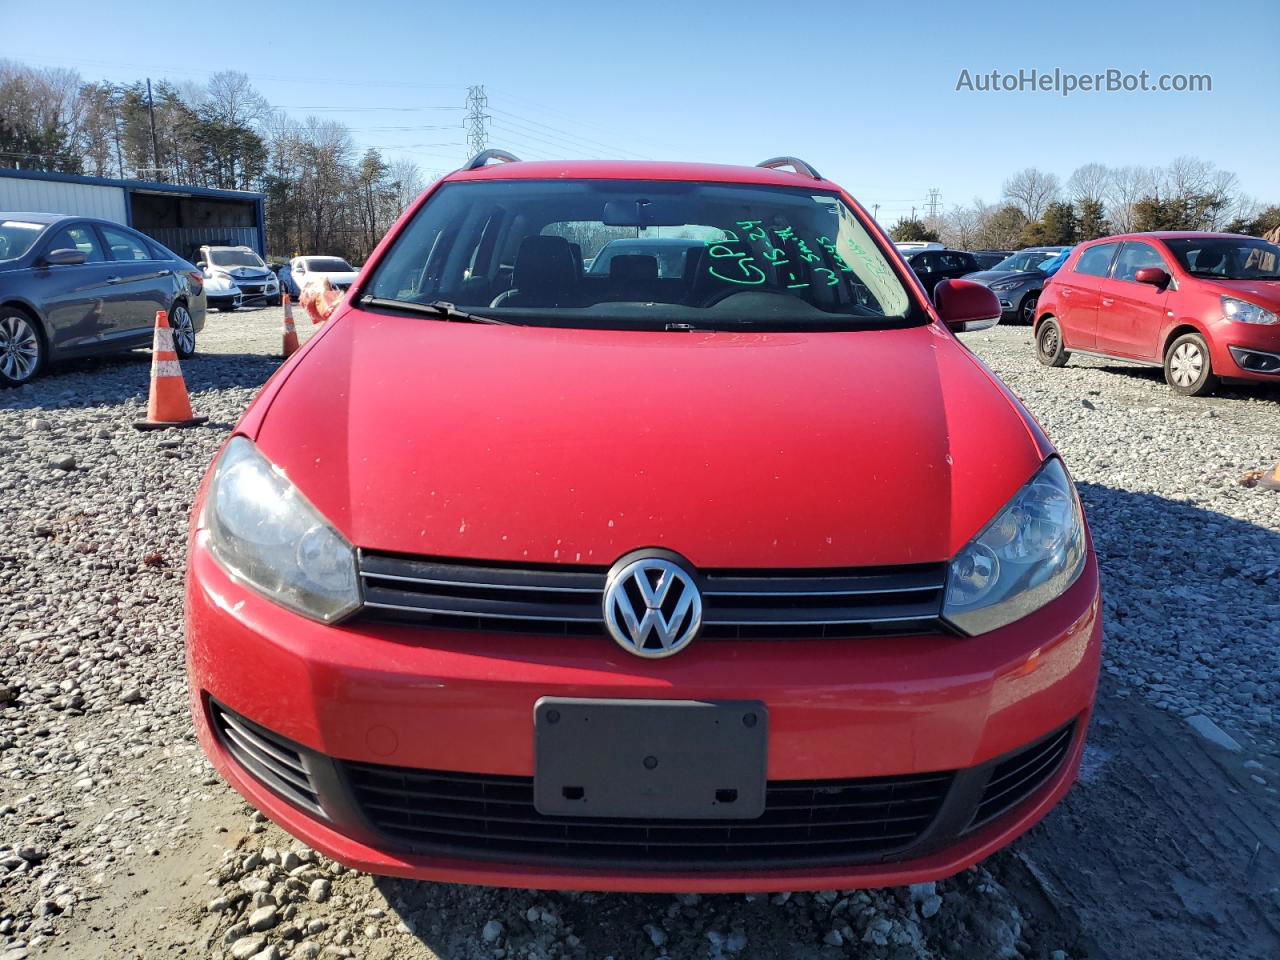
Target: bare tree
x,y
406,178
961,226
1128,186
1091,182
1031,190
233,100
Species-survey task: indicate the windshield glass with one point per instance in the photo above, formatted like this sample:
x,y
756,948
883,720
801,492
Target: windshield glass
x,y
1227,258
328,265
659,253
16,237
1027,260
235,258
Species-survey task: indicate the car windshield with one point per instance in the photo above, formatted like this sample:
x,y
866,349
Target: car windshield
x,y
16,237
328,265
1227,258
1027,260
661,254
235,258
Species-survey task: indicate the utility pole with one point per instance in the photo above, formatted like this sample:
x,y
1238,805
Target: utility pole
x,y
477,120
875,212
933,203
155,149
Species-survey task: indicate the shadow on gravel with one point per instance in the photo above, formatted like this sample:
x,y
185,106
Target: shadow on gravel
x,y
123,377
1228,391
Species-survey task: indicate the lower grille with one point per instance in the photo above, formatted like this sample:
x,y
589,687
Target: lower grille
x,y
801,604
271,759
1016,778
805,821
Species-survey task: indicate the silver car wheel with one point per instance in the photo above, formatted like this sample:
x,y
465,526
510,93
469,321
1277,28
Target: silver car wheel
x,y
184,330
19,348
1186,364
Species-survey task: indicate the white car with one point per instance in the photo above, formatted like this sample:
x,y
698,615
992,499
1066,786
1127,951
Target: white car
x,y
910,246
242,268
313,270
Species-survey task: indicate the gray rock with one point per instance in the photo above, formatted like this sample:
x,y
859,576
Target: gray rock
x,y
491,932
64,462
246,947
264,918
1213,733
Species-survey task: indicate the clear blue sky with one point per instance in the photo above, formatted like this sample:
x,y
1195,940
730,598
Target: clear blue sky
x,y
865,92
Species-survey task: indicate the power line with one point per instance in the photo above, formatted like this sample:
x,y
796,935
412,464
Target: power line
x,y
587,141
507,95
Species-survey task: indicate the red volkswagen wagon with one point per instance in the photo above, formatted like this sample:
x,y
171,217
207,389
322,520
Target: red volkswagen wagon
x,y
1205,306
727,567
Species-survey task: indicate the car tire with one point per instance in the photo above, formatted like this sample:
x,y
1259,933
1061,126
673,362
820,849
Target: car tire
x,y
23,350
184,330
1188,368
1050,350
1027,308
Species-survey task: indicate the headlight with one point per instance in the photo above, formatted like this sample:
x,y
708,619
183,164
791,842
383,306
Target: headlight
x,y
1028,555
263,530
1242,311
1005,284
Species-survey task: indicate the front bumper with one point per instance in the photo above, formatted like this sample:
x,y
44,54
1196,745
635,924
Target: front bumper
x,y
407,700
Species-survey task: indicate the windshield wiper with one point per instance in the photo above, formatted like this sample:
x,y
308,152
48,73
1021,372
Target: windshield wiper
x,y
436,308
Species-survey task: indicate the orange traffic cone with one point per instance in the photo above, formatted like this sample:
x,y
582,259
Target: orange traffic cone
x,y
168,404
290,332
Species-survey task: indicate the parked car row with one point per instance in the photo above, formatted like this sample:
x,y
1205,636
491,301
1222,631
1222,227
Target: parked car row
x,y
78,286
1016,278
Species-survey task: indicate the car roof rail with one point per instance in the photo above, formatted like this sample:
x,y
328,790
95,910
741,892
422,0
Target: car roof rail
x,y
795,163
484,156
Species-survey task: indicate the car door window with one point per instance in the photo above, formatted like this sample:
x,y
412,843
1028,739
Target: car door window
x,y
923,263
1134,257
1096,261
125,246
80,238
954,263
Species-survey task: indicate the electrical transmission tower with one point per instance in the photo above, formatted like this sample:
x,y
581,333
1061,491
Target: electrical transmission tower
x,y
477,120
933,203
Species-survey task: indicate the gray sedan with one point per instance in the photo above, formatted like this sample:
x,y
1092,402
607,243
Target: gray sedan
x,y
1018,279
77,286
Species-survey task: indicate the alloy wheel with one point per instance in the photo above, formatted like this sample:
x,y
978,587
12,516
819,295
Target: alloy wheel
x,y
19,348
1186,364
184,330
1029,309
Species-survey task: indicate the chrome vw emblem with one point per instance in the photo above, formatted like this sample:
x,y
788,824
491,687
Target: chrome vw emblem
x,y
652,607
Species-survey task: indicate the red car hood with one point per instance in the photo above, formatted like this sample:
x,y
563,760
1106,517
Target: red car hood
x,y
1265,292
736,450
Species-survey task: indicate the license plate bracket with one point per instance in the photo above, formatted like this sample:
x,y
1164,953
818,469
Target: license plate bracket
x,y
652,759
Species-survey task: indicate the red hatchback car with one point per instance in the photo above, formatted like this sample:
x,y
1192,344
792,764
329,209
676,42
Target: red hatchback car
x,y
1205,306
724,570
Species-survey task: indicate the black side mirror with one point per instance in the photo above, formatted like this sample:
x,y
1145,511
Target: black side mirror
x,y
63,257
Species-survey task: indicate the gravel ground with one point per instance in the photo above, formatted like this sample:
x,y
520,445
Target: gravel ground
x,y
116,838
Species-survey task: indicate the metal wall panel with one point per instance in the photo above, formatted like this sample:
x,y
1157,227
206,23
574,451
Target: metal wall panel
x,y
49,196
186,241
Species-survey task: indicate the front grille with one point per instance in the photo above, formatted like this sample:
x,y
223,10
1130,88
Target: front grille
x,y
1016,778
271,759
811,604
805,821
